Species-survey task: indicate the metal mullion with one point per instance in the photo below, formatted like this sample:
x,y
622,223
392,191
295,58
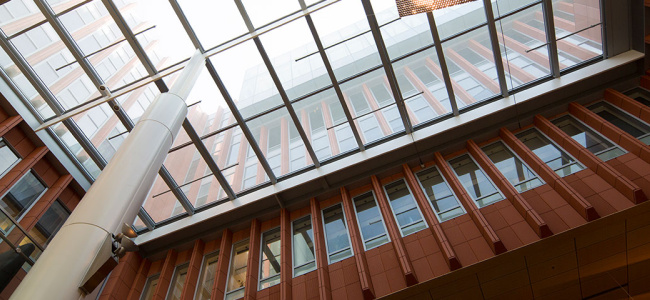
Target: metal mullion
x,y
208,159
72,46
388,67
496,48
13,247
146,219
278,84
335,84
240,121
198,141
50,99
186,25
173,186
443,63
549,26
129,36
287,103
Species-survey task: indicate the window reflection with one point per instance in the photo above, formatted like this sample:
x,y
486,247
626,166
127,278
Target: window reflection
x,y
406,211
270,263
7,157
337,237
442,198
208,274
552,155
304,260
20,198
371,222
475,182
588,138
237,271
178,280
516,171
623,121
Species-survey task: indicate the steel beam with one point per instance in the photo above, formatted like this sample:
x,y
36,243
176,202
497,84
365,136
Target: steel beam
x,y
240,121
549,26
388,67
330,72
443,63
146,219
278,84
114,11
71,44
205,153
496,49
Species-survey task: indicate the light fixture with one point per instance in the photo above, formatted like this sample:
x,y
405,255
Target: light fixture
x,y
412,7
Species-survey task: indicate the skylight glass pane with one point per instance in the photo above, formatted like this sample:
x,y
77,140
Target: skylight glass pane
x,y
424,92
138,224
236,159
348,42
107,61
295,58
502,7
103,128
280,142
262,12
137,101
193,175
471,67
24,86
522,64
205,16
208,112
247,79
401,35
161,204
570,17
12,11
455,19
319,115
73,145
173,42
371,104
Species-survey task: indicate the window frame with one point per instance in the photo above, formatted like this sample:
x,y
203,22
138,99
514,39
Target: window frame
x,y
293,268
347,229
617,110
232,257
13,150
177,268
598,134
498,191
147,285
444,180
27,209
400,227
356,214
515,155
203,264
259,279
552,142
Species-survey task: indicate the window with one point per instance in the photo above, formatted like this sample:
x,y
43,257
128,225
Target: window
x,y
8,158
149,287
50,223
20,198
623,120
208,274
237,272
178,280
304,260
337,238
371,224
552,155
475,182
404,208
588,138
270,259
442,199
517,172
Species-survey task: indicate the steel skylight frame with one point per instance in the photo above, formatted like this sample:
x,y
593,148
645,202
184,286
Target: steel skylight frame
x,y
386,64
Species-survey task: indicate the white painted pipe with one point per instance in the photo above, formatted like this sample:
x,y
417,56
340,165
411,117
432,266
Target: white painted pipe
x,y
113,199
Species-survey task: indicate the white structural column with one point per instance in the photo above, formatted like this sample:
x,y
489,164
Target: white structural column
x,y
114,198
